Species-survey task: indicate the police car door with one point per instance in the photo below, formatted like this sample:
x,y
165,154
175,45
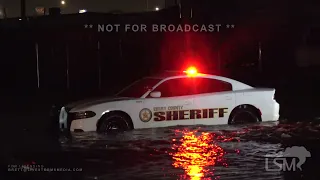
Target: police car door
x,y
214,101
173,106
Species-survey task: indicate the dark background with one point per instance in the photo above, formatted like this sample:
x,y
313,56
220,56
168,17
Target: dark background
x,y
70,62
71,66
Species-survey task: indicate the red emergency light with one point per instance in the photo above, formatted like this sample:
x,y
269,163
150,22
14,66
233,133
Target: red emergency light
x,y
191,71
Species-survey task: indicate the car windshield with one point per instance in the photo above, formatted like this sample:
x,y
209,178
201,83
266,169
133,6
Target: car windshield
x,y
138,88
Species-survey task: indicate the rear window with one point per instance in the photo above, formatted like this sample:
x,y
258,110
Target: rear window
x,y
206,85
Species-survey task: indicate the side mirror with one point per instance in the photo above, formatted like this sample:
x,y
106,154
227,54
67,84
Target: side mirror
x,y
155,94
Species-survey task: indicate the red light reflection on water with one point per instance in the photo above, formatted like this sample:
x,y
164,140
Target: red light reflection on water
x,y
195,153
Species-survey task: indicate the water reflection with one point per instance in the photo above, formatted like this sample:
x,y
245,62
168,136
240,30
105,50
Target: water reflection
x,y
197,153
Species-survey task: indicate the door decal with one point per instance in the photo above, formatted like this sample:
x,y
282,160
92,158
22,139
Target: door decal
x,y
189,114
145,115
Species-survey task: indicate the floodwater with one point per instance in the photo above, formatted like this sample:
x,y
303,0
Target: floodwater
x,y
192,152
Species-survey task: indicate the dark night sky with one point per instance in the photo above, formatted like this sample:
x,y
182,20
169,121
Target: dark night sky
x,y
72,6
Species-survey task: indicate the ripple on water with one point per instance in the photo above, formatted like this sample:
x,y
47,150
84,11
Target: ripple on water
x,y
197,152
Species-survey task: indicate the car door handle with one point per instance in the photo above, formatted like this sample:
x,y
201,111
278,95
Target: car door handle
x,y
187,102
228,98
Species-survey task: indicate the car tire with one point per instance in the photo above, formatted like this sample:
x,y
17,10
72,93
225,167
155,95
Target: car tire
x,y
244,115
113,123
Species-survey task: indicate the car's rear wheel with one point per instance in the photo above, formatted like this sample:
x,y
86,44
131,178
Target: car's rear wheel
x,y
244,115
113,123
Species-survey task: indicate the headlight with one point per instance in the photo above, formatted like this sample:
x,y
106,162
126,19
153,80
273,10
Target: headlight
x,y
82,115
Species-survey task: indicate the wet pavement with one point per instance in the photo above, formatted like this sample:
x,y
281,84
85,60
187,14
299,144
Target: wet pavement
x,y
193,152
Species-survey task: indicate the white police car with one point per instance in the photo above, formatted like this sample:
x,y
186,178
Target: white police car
x,y
187,98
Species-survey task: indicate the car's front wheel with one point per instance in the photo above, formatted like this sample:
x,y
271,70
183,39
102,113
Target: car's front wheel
x,y
243,115
114,122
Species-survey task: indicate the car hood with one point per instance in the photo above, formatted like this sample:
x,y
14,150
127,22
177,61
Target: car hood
x,y
94,101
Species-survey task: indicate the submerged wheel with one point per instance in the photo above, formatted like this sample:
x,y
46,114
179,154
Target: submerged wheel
x,y
244,114
114,122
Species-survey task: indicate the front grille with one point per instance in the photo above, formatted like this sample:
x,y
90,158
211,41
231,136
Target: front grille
x,y
67,109
69,120
71,116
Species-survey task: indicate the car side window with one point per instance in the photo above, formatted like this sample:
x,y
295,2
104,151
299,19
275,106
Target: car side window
x,y
207,85
176,87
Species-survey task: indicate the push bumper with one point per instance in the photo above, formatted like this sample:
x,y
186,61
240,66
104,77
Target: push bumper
x,y
64,120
